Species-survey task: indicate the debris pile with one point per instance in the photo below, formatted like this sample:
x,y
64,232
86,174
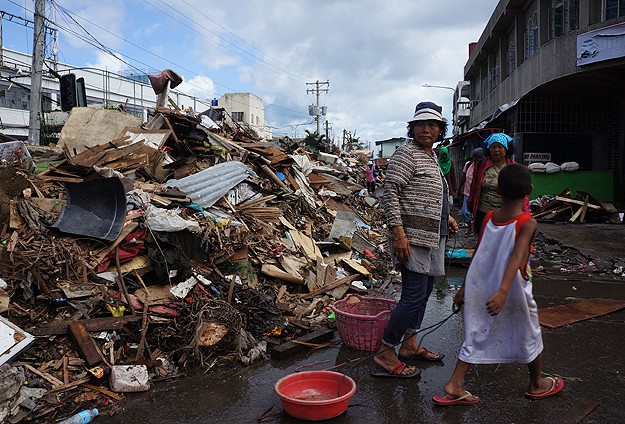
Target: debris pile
x,y
158,248
581,208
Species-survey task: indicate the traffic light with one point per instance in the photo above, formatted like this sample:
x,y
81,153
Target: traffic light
x,y
68,92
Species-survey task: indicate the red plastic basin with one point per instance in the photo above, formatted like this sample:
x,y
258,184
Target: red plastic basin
x,y
315,395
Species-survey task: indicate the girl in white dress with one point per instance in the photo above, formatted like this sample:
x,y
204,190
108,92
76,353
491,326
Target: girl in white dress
x,y
500,314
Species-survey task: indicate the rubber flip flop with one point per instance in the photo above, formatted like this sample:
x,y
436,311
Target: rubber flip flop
x,y
395,372
451,400
425,355
557,384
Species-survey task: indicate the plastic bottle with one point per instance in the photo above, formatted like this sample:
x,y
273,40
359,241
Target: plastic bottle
x,y
83,417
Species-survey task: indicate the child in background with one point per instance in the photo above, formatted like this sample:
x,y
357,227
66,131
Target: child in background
x,y
370,178
500,314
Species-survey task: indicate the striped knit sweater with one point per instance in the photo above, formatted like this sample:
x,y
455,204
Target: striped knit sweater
x,y
413,194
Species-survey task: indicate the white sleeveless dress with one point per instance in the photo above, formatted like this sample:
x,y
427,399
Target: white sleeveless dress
x,y
514,334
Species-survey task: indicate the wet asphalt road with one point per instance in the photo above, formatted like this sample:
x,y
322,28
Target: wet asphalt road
x,y
590,355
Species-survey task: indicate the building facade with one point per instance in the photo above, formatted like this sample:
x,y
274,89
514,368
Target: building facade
x,y
246,108
102,87
550,74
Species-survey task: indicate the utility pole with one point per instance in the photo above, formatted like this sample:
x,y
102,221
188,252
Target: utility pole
x,y
317,111
34,121
327,125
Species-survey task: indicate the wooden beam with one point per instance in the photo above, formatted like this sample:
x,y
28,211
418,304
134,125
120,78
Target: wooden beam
x,y
93,324
584,209
84,342
291,348
577,202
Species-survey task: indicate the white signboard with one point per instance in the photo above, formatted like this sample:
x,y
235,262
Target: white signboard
x,y
601,44
536,157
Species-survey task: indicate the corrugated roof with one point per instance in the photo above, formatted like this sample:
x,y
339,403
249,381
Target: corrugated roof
x,y
208,186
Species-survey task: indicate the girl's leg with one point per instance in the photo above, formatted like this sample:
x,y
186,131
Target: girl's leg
x,y
454,386
538,383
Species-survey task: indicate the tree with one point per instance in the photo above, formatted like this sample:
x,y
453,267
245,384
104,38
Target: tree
x,y
313,140
351,142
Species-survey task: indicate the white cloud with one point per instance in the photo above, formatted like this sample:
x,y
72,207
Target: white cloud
x,y
200,86
376,55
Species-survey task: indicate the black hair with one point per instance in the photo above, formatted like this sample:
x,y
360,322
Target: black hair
x,y
514,181
442,125
509,150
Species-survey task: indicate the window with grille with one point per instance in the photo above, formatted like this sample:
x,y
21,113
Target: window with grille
x,y
237,116
511,57
563,17
614,9
531,36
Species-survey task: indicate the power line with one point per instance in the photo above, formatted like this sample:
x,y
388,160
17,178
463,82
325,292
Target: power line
x,y
90,39
221,38
239,38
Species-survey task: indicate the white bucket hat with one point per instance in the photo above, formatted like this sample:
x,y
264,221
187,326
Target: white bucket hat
x,y
428,111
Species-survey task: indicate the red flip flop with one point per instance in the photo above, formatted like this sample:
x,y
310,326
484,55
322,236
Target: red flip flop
x,y
451,400
395,372
424,355
557,384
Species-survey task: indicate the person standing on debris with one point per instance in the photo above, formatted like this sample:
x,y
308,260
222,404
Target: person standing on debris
x,y
370,178
449,171
483,196
465,183
500,314
416,206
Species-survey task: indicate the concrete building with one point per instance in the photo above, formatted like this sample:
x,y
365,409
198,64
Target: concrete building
x,y
246,108
550,74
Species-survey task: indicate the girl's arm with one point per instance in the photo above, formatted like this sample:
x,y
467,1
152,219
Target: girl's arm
x,y
519,254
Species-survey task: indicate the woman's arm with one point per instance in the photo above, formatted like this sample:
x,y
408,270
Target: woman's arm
x,y
519,254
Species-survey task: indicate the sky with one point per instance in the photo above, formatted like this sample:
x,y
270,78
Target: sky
x,y
376,55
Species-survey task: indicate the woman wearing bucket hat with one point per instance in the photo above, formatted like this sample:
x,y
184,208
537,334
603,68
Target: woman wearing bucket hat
x,y
416,206
483,196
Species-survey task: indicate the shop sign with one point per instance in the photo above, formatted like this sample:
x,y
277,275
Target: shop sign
x,y
536,157
601,44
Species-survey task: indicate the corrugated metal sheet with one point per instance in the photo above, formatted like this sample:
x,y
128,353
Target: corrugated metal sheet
x,y
208,186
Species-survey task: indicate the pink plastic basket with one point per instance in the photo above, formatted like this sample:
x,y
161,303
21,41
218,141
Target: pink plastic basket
x,y
361,321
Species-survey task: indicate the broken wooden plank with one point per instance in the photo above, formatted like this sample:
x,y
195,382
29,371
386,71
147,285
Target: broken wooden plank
x,y
337,283
84,342
579,411
577,202
93,324
584,208
291,348
49,378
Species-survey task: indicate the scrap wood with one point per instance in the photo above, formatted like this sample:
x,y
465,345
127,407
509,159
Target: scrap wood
x,y
49,378
59,327
331,286
579,411
86,345
557,316
129,228
69,386
577,202
104,391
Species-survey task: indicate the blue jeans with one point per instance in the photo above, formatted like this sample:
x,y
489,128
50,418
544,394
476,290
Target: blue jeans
x,y
466,213
409,312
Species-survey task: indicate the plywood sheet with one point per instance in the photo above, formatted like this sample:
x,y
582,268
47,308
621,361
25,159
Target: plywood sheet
x,y
557,316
